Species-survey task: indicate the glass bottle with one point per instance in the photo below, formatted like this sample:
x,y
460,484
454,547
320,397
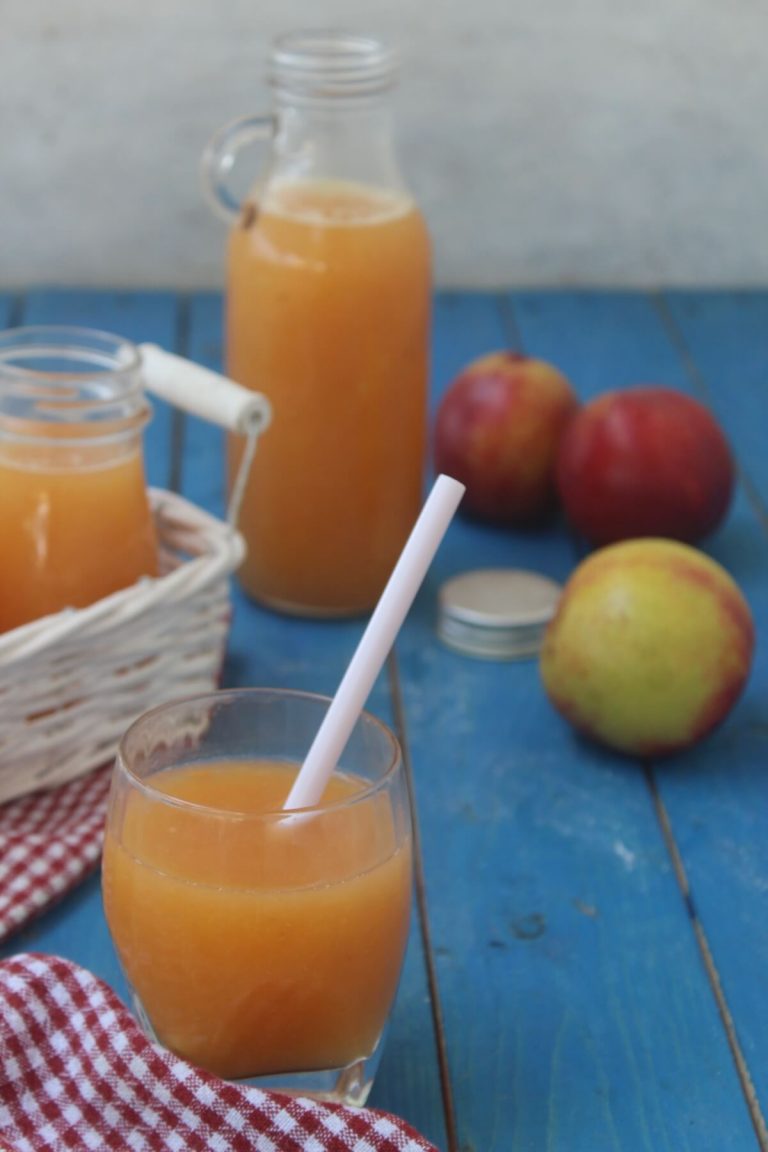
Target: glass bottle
x,y
327,313
75,516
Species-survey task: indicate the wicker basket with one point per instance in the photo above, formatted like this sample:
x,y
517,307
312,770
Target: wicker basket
x,y
71,683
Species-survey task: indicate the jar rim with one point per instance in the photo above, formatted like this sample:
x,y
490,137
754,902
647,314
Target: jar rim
x,y
118,355
64,374
330,63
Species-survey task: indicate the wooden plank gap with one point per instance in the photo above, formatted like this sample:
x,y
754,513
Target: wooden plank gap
x,y
509,321
178,418
446,1091
742,1068
702,387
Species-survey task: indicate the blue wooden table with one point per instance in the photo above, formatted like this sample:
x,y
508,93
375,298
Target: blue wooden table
x,y
588,967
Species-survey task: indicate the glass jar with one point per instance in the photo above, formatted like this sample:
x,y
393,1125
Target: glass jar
x,y
327,313
75,517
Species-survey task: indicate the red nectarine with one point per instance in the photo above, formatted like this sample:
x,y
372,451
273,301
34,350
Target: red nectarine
x,y
497,430
650,461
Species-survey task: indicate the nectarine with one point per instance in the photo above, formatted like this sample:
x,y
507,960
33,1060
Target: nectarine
x,y
650,461
649,648
497,430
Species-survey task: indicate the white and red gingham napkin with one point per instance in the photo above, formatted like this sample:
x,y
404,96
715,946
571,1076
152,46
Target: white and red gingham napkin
x,y
77,1073
49,841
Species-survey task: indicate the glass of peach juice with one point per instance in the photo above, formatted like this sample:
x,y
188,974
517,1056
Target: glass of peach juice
x,y
260,944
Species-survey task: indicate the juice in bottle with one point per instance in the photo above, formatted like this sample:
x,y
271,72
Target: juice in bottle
x,y
258,945
328,314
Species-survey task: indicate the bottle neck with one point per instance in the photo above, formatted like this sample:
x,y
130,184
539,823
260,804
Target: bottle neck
x,y
332,109
336,139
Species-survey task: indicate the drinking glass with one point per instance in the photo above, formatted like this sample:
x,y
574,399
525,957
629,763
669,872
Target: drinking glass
x,y
262,945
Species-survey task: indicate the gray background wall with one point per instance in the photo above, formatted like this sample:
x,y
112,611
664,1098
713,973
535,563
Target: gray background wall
x,y
619,142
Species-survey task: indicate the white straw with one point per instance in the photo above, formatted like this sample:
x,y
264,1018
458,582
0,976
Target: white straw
x,y
375,643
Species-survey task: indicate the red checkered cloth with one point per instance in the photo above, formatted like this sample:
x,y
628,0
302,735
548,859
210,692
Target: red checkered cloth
x,y
77,1073
49,841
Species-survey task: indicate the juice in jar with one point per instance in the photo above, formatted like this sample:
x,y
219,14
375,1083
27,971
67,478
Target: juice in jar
x,y
76,521
275,947
328,315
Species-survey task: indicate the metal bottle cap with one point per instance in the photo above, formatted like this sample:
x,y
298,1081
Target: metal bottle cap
x,y
496,613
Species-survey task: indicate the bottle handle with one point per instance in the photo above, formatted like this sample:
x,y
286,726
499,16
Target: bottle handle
x,y
219,158
213,397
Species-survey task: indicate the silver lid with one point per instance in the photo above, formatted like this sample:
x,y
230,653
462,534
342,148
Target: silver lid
x,y
496,613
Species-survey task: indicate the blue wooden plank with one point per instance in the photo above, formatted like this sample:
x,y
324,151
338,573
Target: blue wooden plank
x,y
577,1010
726,334
138,316
718,806
600,340
269,649
717,795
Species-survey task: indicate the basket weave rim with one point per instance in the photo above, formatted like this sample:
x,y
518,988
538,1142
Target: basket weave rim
x,y
221,548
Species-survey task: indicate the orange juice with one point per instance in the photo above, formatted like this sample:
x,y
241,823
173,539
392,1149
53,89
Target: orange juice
x,y
328,315
268,945
76,524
